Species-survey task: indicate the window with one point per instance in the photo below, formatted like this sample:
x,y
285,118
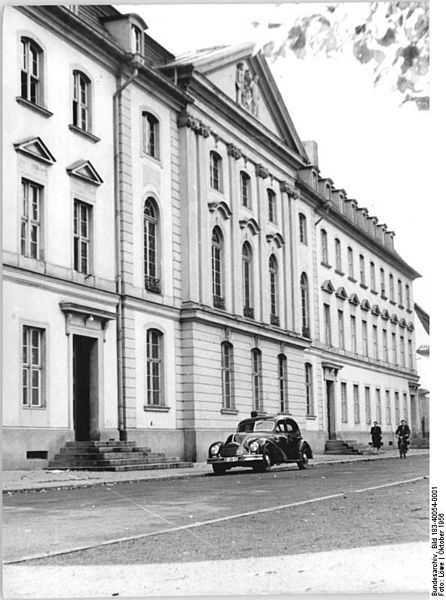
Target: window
x,y
283,382
402,352
407,296
368,407
154,367
382,281
378,406
375,342
394,353
391,288
82,235
257,387
31,72
136,39
273,279
356,404
351,267
344,408
372,276
410,353
305,300
227,374
151,135
327,324
400,293
309,388
303,229
405,407
151,246
32,367
388,415
324,246
338,255
81,101
217,268
248,310
397,408
365,339
245,189
30,227
385,346
272,208
353,334
216,171
361,269
341,329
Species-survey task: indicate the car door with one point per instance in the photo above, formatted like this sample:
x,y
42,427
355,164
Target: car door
x,y
281,436
293,439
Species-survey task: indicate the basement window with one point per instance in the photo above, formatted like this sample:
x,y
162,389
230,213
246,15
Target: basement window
x,y
42,454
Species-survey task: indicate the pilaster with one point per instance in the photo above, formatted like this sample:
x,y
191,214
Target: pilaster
x,y
235,260
261,174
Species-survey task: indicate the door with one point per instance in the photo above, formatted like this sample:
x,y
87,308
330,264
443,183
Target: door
x,y
331,421
82,386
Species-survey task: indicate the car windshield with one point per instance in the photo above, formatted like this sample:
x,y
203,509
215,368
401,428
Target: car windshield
x,y
256,426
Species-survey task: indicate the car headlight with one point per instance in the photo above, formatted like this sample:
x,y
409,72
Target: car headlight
x,y
214,449
253,446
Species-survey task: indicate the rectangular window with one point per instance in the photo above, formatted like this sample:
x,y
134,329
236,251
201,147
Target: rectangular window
x,y
383,282
356,404
309,388
303,228
283,382
227,370
388,415
256,367
324,246
368,407
372,276
407,297
32,367
136,41
405,407
338,255
375,342
82,234
394,352
154,365
30,76
361,269
341,329
81,101
30,228
397,408
353,335
391,288
410,352
344,408
365,339
402,352
385,346
327,324
351,268
378,406
400,293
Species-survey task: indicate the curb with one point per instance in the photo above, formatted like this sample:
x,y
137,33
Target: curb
x,y
87,484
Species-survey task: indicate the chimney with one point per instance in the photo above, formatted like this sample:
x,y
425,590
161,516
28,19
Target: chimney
x,y
311,150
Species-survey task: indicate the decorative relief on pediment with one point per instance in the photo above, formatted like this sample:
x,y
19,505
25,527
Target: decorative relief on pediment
x,y
247,89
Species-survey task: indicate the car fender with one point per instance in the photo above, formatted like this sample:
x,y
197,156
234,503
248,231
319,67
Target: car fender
x,y
213,444
303,445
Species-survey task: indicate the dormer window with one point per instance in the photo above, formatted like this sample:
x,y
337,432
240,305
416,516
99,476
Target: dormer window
x,y
328,191
136,39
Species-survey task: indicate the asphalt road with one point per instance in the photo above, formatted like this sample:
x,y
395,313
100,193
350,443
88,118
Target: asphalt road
x,y
333,512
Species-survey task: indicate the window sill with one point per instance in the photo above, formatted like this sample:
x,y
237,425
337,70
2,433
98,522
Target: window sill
x,y
36,107
383,296
311,417
154,159
156,408
401,306
409,310
350,278
392,302
374,292
26,407
326,265
339,272
364,286
229,411
87,134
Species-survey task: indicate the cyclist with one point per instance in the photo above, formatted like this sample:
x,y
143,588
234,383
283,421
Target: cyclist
x,y
403,433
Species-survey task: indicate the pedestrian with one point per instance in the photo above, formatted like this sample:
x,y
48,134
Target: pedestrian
x,y
376,434
403,429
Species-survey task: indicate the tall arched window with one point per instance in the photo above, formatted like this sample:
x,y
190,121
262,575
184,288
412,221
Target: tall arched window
x,y
283,382
227,374
81,101
303,228
272,209
216,171
257,388
351,267
372,276
338,255
407,296
151,135
217,268
361,269
245,189
391,288
151,246
31,72
274,289
305,302
324,247
248,309
154,358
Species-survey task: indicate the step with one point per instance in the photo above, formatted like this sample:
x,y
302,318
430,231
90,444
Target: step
x,y
116,443
111,463
137,467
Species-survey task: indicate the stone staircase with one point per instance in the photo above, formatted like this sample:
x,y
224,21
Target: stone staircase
x,y
112,456
342,447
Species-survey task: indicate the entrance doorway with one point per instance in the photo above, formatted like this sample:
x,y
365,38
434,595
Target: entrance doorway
x,y
331,420
85,388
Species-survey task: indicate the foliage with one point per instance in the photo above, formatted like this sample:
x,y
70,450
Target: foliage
x,y
392,39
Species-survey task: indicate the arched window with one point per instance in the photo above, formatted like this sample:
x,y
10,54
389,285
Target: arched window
x,y
361,269
274,289
81,101
372,276
31,72
136,39
217,268
351,267
154,358
151,135
338,255
227,374
283,382
382,281
257,384
247,269
216,171
400,292
151,246
272,209
407,296
391,288
305,301
324,246
309,389
303,228
245,189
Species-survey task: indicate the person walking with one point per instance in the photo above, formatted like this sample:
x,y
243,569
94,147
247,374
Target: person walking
x,y
376,434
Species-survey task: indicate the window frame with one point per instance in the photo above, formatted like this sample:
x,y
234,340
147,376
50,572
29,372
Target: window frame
x,y
151,361
257,379
227,375
77,104
365,338
368,405
362,269
282,375
350,262
328,339
353,334
388,408
31,195
372,276
375,341
273,265
151,249
216,171
272,205
303,234
309,389
305,304
81,241
378,405
324,247
338,254
29,367
27,76
356,404
245,190
247,276
341,329
217,259
344,402
151,135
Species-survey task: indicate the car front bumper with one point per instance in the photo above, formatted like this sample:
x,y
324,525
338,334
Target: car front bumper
x,y
233,461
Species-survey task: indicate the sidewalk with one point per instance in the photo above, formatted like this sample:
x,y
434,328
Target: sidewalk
x,y
25,481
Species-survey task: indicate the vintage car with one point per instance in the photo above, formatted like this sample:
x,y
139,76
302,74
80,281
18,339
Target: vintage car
x,y
261,442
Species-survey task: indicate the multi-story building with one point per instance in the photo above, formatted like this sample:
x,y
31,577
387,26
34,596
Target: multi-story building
x,y
173,258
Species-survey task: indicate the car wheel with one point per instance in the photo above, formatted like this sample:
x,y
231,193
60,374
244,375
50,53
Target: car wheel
x,y
303,463
219,469
267,462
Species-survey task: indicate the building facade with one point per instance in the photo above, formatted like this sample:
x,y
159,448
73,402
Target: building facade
x,y
173,258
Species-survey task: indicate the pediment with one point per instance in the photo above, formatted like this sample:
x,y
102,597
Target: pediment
x,y
275,238
385,314
354,299
327,286
376,310
36,148
341,293
251,224
403,322
394,318
222,208
85,170
365,304
410,326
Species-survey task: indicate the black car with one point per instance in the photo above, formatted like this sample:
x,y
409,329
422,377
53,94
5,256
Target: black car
x,y
261,442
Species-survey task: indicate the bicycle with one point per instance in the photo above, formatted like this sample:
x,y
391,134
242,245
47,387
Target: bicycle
x,y
403,445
